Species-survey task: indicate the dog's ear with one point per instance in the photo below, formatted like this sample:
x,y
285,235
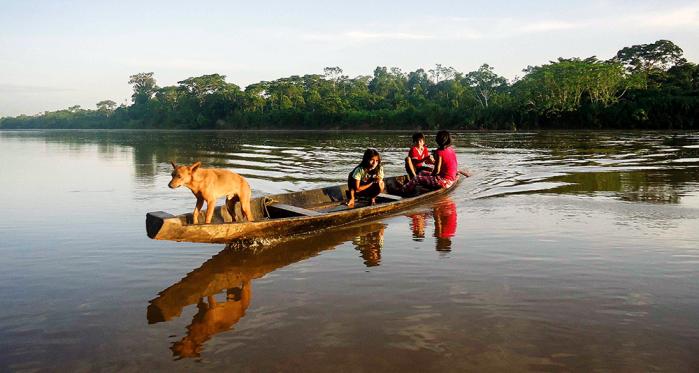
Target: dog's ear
x,y
195,166
173,164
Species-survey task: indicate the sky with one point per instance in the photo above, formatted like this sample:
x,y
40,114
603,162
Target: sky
x,y
56,54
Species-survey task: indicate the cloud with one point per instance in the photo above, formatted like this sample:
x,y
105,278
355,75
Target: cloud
x,y
553,25
672,18
188,64
23,89
453,28
652,20
362,35
366,36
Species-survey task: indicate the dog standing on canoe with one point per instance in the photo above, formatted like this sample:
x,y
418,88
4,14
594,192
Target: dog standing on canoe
x,y
208,184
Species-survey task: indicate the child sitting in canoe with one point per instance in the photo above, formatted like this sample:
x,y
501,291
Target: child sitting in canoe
x,y
419,160
366,179
446,167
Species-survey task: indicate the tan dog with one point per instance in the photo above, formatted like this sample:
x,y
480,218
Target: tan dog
x,y
209,184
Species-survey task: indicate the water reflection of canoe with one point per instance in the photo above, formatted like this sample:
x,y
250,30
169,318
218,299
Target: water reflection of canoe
x,y
233,271
231,267
286,214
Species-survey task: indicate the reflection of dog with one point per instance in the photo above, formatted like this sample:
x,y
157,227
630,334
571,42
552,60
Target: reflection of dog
x,y
209,184
212,318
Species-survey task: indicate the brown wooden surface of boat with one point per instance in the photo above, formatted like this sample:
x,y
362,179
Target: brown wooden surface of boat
x,y
286,214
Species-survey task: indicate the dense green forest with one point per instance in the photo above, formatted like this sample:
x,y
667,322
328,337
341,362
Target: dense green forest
x,y
649,86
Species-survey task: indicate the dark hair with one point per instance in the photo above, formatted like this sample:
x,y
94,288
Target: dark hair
x,y
417,136
443,139
368,155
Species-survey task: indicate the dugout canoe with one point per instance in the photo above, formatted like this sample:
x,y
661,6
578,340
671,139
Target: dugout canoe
x,y
287,214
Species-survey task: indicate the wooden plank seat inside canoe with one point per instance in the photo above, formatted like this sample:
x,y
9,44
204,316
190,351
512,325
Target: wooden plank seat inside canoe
x,y
282,210
363,202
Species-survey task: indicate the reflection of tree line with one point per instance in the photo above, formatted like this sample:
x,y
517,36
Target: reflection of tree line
x,y
150,148
642,186
222,287
154,148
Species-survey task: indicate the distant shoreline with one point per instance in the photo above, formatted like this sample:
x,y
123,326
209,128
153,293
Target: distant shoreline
x,y
643,87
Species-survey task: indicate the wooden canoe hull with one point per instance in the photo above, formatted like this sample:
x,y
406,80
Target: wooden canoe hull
x,y
163,226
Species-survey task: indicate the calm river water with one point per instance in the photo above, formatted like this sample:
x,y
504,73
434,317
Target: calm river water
x,y
564,252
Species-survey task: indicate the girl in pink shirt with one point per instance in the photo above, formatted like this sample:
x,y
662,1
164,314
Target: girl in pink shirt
x,y
446,168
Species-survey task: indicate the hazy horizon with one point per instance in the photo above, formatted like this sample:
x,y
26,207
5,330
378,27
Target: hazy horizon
x,y
56,54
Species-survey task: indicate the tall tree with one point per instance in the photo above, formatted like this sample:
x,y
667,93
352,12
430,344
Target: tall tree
x,y
144,87
648,57
255,98
106,106
204,85
441,72
333,74
211,97
418,86
485,83
560,86
388,88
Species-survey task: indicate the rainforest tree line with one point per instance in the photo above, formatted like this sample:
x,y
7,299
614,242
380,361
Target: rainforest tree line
x,y
649,86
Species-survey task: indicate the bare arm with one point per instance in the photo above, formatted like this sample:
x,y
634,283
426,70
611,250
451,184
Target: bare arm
x,y
357,188
437,166
418,160
360,188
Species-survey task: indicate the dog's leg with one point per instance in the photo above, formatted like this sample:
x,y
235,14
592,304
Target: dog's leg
x,y
197,209
245,197
210,205
212,301
230,205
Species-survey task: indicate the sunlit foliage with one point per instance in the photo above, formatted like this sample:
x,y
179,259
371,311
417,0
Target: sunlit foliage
x,y
642,86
